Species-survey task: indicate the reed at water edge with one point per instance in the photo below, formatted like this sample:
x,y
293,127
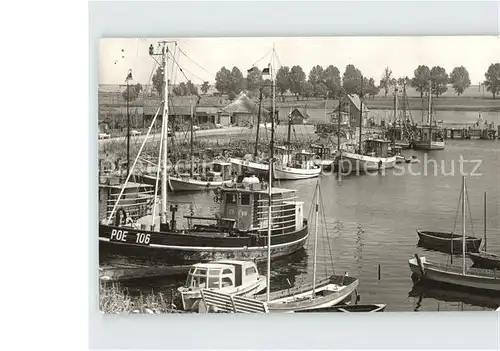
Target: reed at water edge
x,y
114,299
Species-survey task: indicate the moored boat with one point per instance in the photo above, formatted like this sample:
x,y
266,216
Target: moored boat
x,y
231,277
376,307
485,259
374,158
303,166
220,175
447,242
471,278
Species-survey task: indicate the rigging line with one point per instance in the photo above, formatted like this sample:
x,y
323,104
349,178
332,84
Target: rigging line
x,y
182,51
182,71
456,214
267,53
470,213
173,66
326,235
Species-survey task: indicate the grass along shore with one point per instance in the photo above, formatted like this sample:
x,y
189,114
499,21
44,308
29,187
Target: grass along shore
x,y
114,299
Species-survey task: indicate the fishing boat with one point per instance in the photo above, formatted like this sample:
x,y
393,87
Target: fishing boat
x,y
323,156
374,156
396,151
483,258
377,307
232,277
221,174
235,231
429,136
443,241
473,278
256,163
318,294
400,131
301,165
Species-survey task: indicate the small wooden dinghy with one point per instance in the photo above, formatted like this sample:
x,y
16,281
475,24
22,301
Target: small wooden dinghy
x,y
351,308
442,241
485,259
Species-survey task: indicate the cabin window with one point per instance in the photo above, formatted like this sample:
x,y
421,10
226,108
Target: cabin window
x,y
200,282
213,282
250,271
227,271
231,199
217,167
245,199
213,272
189,281
226,281
201,271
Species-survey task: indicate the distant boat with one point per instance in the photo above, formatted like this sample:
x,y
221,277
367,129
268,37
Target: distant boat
x,y
413,159
483,258
375,157
430,135
301,166
442,241
220,175
474,278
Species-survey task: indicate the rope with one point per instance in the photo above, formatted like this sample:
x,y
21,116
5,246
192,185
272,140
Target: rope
x,y
182,51
267,53
470,213
456,214
327,238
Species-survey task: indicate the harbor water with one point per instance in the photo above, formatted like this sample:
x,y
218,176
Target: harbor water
x,y
371,222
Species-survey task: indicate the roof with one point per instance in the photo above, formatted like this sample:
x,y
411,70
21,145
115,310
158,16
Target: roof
x,y
210,265
234,262
243,104
300,111
354,99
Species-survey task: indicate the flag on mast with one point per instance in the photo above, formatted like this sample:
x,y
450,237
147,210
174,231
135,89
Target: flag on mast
x,y
266,71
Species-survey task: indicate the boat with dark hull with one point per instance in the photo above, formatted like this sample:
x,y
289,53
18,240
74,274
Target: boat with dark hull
x,y
485,259
238,233
441,241
376,307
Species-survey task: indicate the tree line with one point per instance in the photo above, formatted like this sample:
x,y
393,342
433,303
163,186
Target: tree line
x,y
328,83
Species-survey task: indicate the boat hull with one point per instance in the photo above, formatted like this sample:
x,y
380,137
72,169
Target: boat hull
x,y
289,173
352,162
485,260
440,241
189,184
179,248
334,290
351,308
252,167
440,274
435,145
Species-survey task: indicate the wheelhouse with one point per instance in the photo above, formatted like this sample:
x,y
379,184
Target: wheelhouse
x,y
247,203
377,147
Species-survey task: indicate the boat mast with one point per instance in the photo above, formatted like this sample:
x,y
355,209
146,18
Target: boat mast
x,y
191,141
288,147
360,114
463,225
338,137
256,151
129,76
484,197
429,117
315,239
271,161
164,61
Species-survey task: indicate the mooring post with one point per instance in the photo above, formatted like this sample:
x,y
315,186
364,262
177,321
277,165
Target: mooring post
x,y
378,272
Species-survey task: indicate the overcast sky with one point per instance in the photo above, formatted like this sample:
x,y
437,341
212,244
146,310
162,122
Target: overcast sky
x,y
369,54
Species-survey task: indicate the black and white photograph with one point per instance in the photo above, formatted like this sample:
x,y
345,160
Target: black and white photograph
x,y
299,174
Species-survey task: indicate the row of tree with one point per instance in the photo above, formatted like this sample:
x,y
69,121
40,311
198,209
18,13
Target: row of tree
x,y
328,83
